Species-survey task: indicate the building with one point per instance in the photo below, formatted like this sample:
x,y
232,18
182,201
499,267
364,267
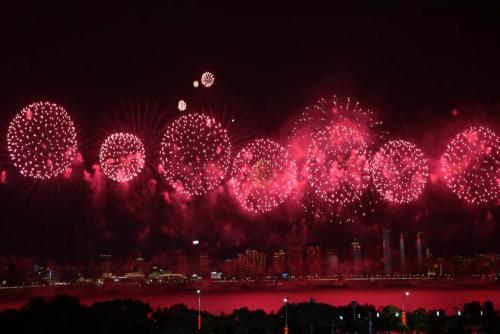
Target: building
x,y
386,247
251,264
295,261
105,266
420,240
332,263
313,261
402,252
278,265
429,262
356,256
230,268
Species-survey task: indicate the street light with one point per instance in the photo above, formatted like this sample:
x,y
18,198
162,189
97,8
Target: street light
x,y
198,293
406,295
285,330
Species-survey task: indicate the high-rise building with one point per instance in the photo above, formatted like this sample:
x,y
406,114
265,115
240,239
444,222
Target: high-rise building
x,y
139,265
429,262
251,263
230,268
386,246
356,255
279,262
420,240
105,264
402,252
332,263
295,261
313,261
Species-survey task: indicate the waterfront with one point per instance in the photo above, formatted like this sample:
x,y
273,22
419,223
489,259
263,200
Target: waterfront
x,y
449,299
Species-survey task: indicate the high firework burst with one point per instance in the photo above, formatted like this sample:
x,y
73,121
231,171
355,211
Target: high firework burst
x,y
264,175
471,165
41,140
122,156
399,171
352,120
337,166
195,154
207,79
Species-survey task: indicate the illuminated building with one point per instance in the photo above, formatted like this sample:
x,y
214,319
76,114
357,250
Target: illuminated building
x,y
295,261
279,262
332,263
402,253
230,268
105,264
251,264
313,261
386,246
356,255
420,237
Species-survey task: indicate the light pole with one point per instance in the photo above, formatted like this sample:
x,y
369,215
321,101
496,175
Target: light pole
x,y
285,330
407,293
198,292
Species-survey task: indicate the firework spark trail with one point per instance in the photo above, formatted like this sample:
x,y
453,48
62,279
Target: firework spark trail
x,y
399,171
264,175
41,140
195,154
122,156
471,165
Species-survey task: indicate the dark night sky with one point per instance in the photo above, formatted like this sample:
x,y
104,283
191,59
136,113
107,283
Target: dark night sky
x,y
412,69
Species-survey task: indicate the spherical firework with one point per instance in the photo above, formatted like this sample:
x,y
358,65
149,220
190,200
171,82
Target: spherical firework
x,y
264,175
41,140
207,79
181,105
196,84
337,165
400,171
195,154
122,157
471,165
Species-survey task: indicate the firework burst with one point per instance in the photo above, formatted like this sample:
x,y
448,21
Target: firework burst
x,y
337,167
309,140
195,154
399,171
122,157
471,165
41,140
264,175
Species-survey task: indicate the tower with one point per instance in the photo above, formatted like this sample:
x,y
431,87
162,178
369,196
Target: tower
x,y
420,237
402,253
386,246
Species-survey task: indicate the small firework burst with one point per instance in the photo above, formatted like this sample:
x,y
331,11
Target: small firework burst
x,y
122,156
181,105
471,165
195,154
400,171
263,175
207,79
41,140
196,84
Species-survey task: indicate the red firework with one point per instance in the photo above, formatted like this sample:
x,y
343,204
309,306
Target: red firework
x,y
41,140
264,175
195,154
337,164
399,171
471,165
122,157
